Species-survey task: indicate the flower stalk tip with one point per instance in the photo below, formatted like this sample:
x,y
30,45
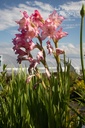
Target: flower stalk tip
x,y
82,11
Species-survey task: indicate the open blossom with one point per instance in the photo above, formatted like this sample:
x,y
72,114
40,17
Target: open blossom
x,y
49,47
20,52
33,64
48,30
20,44
25,14
55,19
59,51
21,55
31,32
24,21
30,45
19,41
19,37
40,55
36,18
59,34
27,24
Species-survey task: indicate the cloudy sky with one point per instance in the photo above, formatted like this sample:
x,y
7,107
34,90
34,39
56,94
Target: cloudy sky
x,y
70,9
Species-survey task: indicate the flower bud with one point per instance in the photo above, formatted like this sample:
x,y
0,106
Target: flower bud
x,y
82,11
59,51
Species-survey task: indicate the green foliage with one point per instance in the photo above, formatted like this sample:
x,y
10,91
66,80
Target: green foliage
x,y
32,105
13,101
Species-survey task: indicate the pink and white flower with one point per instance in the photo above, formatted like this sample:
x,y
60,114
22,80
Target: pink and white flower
x,y
49,47
34,26
40,56
59,51
59,34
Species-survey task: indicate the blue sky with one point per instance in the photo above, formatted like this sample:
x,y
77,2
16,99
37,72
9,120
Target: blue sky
x,y
70,9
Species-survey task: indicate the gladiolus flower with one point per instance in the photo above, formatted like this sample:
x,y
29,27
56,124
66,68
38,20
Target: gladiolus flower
x,y
31,32
33,63
59,51
36,18
20,52
55,18
59,34
40,56
35,26
49,47
48,30
30,45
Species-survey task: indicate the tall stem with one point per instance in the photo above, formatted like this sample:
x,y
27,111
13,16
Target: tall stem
x,y
81,46
40,47
57,57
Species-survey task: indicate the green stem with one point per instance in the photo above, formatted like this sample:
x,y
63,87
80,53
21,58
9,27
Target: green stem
x,y
81,47
40,47
57,57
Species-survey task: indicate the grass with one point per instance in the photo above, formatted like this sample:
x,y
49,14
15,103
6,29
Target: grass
x,y
32,105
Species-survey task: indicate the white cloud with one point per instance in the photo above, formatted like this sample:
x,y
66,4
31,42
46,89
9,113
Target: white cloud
x,y
43,6
71,8
6,48
10,14
70,26
70,49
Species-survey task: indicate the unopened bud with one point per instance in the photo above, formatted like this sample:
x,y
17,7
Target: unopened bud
x,y
82,11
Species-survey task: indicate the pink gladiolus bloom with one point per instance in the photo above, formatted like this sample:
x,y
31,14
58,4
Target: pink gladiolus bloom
x,y
48,30
24,21
33,64
59,34
30,59
36,18
49,47
20,52
55,18
30,45
19,41
25,14
31,32
16,39
59,51
20,44
37,15
40,56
